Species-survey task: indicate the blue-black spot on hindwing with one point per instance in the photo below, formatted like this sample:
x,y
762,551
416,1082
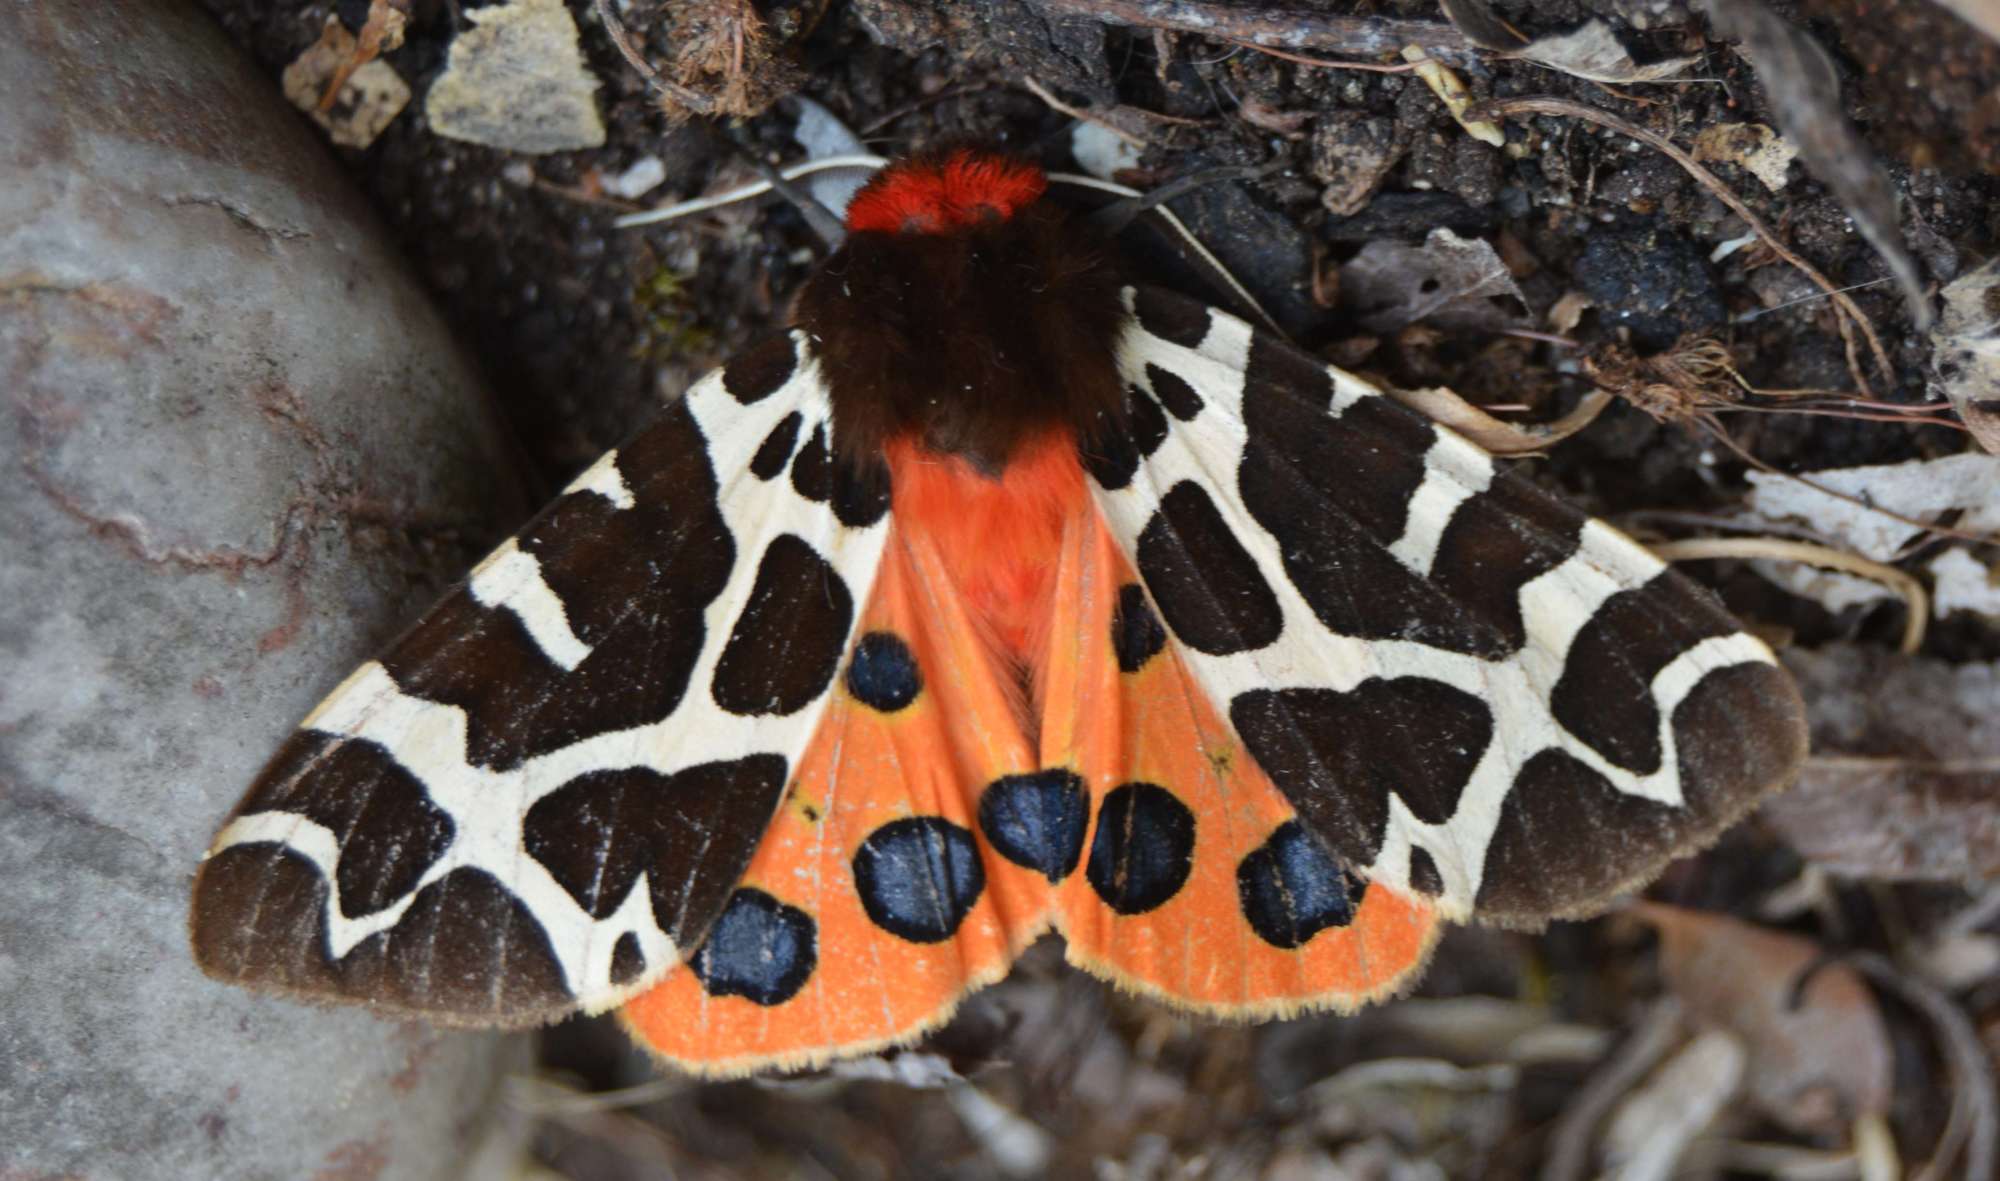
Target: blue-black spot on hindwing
x,y
757,372
388,830
1144,848
776,449
1605,693
788,641
919,877
759,949
1171,317
1424,876
812,468
1337,757
861,491
688,832
1291,888
1037,820
1207,585
628,962
1136,633
1175,394
883,674
635,584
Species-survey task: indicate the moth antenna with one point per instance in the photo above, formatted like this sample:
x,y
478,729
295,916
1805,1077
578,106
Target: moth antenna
x,y
824,222
754,189
1119,214
1196,252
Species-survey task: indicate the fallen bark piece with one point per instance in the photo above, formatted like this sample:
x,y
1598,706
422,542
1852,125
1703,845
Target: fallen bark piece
x,y
1905,779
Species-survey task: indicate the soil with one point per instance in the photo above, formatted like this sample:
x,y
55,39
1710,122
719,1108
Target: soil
x,y
582,328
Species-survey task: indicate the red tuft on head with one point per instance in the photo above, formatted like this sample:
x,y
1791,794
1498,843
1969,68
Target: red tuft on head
x,y
937,194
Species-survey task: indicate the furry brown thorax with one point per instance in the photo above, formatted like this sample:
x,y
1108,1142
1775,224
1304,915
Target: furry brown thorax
x,y
964,311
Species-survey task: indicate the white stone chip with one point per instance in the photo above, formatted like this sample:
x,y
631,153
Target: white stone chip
x,y
516,80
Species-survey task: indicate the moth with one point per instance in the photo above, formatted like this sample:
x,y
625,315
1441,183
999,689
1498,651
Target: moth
x,y
998,596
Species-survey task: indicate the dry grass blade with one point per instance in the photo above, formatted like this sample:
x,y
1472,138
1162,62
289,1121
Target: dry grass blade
x,y
1498,435
1975,1098
1912,591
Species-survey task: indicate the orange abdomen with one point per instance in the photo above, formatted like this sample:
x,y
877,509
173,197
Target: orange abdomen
x,y
1000,537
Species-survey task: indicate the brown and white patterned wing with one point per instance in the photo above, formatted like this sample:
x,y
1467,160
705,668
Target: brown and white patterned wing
x,y
539,798
1467,688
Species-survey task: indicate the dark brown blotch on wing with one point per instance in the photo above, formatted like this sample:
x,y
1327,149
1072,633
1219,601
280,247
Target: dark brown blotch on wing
x,y
388,830
467,952
691,833
634,584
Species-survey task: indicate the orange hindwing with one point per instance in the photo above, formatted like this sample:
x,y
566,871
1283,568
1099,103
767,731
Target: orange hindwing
x,y
1015,743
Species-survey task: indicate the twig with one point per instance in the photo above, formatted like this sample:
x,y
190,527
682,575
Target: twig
x,y
1056,104
1288,28
693,100
1912,591
1975,1107
1564,107
1328,64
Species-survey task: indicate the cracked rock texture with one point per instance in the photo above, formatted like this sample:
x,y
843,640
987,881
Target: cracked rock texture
x,y
237,452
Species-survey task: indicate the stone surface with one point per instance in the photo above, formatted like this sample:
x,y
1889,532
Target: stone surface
x,y
237,451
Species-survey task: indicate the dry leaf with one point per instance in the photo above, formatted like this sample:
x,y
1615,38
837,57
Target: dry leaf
x,y
1593,52
1983,15
1813,1067
1922,489
368,97
1455,283
1289,124
1966,352
1904,781
517,80
1753,147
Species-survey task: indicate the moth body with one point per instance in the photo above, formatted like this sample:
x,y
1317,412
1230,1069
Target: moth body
x,y
999,597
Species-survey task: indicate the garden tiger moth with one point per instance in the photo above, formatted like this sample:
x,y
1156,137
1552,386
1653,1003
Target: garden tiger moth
x,y
998,596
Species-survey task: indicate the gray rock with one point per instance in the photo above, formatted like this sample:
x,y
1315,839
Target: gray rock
x,y
237,450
